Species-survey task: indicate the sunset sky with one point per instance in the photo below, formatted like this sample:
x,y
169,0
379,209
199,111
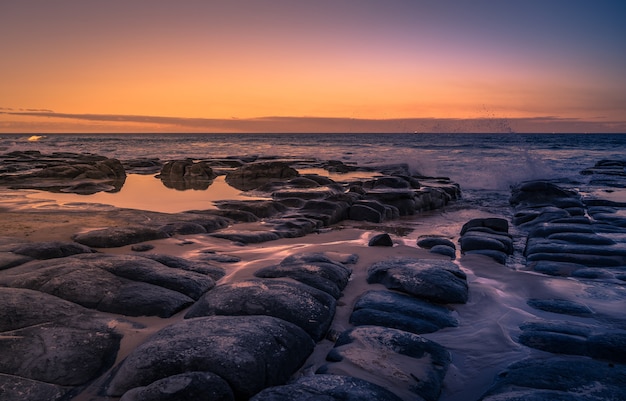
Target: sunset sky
x,y
312,66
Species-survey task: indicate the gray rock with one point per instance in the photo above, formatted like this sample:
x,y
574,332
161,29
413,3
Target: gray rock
x,y
15,388
254,175
176,262
47,339
249,352
494,223
426,362
183,387
129,285
328,212
559,379
360,212
444,250
114,237
497,256
51,250
259,208
429,242
309,308
433,280
327,388
246,237
562,306
9,259
187,174
315,270
400,311
537,192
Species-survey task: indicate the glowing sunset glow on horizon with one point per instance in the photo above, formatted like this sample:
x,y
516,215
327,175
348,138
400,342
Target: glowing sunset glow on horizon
x,y
161,66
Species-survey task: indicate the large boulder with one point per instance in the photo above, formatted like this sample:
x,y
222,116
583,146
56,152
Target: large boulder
x,y
315,270
48,340
124,284
51,250
187,174
327,388
185,386
400,311
439,281
417,369
113,237
249,352
254,175
309,308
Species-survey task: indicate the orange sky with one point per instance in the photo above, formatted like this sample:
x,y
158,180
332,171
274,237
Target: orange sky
x,y
364,60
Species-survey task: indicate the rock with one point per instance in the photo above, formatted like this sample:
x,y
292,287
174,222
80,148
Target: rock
x,y
380,240
429,242
187,174
182,228
444,250
47,339
114,237
433,280
50,250
246,237
259,208
124,284
559,379
493,223
537,192
15,388
497,256
9,259
315,270
310,309
562,306
422,364
399,311
185,386
254,175
327,388
360,212
294,226
249,352
176,262
328,212
142,248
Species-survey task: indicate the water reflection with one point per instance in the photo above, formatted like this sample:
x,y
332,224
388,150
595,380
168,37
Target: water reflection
x,y
146,192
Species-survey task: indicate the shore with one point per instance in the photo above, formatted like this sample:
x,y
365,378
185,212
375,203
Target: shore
x,y
402,321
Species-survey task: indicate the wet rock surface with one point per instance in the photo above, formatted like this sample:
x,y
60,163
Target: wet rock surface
x,y
248,352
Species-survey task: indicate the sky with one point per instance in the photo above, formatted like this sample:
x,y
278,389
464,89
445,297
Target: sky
x,y
312,66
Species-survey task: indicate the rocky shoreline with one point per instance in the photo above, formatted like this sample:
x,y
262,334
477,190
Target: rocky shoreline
x,y
71,304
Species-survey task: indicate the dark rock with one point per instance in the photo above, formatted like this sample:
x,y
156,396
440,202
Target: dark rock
x,y
444,250
15,388
493,223
499,257
114,237
187,174
182,228
50,340
363,347
608,346
246,237
249,352
562,306
555,268
315,270
582,238
9,259
183,387
326,211
429,242
360,212
304,306
142,248
536,192
559,379
578,258
399,311
434,280
474,242
254,175
176,262
51,250
380,240
124,284
294,226
327,388
259,208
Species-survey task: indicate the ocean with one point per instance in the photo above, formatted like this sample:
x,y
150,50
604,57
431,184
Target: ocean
x,y
476,161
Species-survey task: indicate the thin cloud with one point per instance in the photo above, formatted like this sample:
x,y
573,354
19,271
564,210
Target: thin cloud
x,y
278,124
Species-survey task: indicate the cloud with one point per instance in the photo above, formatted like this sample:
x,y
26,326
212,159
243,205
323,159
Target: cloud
x,y
278,124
